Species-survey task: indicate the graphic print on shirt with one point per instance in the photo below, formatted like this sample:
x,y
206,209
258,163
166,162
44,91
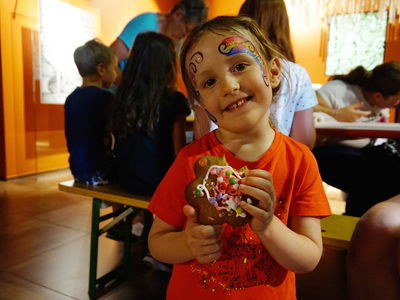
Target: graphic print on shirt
x,y
244,263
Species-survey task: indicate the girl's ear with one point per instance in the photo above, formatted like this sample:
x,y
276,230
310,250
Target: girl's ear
x,y
275,72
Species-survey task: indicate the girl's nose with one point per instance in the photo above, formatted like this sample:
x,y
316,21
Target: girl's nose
x,y
230,85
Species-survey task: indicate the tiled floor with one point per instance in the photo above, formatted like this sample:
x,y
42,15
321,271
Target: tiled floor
x,y
44,252
44,244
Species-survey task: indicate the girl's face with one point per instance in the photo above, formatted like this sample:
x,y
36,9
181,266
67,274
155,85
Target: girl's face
x,y
389,101
232,80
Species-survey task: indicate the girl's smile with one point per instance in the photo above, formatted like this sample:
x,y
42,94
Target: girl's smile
x,y
237,104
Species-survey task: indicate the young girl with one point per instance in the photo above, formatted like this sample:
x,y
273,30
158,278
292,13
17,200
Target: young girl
x,y
231,70
148,117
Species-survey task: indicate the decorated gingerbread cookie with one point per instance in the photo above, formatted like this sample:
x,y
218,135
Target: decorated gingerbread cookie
x,y
215,192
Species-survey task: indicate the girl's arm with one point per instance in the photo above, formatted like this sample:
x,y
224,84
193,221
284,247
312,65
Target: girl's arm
x,y
303,129
179,133
349,113
298,247
171,245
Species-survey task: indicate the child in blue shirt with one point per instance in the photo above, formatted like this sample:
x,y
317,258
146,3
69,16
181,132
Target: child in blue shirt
x,y
85,112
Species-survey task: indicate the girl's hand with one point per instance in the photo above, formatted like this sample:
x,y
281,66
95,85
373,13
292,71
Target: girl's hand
x,y
258,184
204,241
351,113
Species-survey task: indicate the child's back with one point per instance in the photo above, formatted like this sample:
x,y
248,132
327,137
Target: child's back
x,y
85,119
143,159
85,112
148,115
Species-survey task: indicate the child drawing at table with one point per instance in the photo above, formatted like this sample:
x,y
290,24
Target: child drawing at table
x,y
231,70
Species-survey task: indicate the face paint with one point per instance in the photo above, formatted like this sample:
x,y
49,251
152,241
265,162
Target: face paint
x,y
196,59
236,45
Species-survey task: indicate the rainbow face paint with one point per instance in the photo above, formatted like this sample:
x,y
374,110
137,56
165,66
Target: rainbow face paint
x,y
237,45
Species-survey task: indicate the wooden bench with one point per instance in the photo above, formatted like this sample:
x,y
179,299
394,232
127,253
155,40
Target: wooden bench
x,y
327,281
112,193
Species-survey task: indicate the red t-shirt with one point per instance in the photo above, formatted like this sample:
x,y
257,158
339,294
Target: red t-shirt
x,y
245,269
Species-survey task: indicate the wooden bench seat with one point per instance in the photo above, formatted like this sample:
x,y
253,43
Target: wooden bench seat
x,y
109,192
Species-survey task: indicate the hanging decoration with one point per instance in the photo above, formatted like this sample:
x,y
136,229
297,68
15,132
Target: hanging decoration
x,y
327,8
323,12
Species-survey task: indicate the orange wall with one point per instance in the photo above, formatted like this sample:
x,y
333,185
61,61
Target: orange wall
x,y
33,133
115,17
2,145
33,139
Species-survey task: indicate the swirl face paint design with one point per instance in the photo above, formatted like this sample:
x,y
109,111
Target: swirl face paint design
x,y
236,45
196,59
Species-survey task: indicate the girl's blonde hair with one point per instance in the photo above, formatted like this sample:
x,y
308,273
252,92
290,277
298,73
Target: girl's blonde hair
x,y
235,25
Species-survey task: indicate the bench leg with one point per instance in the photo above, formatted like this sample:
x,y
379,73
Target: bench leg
x,y
96,285
94,245
127,255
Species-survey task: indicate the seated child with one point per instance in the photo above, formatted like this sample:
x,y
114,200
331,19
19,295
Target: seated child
x,y
147,118
231,70
85,112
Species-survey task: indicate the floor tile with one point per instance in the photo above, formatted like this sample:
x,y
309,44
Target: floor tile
x,y
14,288
66,268
26,239
76,216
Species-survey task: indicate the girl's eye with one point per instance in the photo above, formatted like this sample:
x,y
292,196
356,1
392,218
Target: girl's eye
x,y
209,82
239,67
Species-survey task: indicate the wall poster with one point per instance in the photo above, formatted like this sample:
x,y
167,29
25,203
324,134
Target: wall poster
x,y
63,28
355,39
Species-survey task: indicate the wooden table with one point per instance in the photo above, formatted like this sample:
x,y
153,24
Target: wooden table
x,y
360,130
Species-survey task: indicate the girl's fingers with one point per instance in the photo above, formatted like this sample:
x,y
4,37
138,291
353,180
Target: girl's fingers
x,y
209,258
266,199
258,173
253,210
260,183
259,178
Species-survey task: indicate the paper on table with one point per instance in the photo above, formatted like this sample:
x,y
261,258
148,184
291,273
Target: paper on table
x,y
320,117
358,125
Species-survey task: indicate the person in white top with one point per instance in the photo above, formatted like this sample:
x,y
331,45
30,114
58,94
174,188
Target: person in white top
x,y
364,171
361,95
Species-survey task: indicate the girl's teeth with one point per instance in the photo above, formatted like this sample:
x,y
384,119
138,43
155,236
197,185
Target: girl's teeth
x,y
236,105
